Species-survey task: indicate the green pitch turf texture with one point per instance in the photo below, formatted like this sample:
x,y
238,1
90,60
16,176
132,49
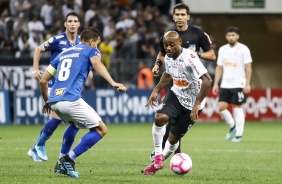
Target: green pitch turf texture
x,y
124,152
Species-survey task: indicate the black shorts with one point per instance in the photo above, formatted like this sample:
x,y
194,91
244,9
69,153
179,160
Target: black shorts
x,y
179,116
232,96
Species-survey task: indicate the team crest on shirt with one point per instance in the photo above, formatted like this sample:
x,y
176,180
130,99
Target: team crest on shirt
x,y
59,91
46,44
51,40
192,47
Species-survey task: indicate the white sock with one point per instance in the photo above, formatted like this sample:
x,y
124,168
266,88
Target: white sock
x,y
240,120
61,155
158,133
226,115
72,155
169,148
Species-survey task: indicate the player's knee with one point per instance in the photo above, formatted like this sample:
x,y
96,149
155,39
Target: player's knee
x,y
172,139
161,119
221,106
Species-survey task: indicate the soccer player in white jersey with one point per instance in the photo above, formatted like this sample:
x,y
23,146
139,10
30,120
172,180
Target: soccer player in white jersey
x,y
70,69
234,65
182,105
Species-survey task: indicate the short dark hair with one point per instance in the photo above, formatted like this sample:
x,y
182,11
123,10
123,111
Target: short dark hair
x,y
90,33
182,6
72,14
232,29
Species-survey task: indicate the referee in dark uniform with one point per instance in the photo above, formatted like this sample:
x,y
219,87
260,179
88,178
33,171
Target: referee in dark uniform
x,y
193,38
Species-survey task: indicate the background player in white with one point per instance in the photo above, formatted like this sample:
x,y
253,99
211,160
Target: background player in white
x,y
56,44
181,106
70,69
235,68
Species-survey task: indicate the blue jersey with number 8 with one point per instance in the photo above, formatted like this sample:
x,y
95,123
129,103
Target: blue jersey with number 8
x,y
71,68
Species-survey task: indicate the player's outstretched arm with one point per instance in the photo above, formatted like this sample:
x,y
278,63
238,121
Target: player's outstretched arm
x,y
247,88
36,58
165,79
158,64
206,85
101,70
43,84
218,74
209,55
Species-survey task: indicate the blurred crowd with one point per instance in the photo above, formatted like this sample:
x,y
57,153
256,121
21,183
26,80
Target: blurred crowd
x,y
130,28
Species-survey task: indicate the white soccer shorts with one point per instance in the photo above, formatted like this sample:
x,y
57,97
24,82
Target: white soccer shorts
x,y
79,112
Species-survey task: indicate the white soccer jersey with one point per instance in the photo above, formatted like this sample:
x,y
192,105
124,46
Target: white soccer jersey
x,y
233,60
185,71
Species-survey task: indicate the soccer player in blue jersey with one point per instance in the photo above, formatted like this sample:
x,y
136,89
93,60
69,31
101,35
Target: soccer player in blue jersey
x,y
55,44
70,69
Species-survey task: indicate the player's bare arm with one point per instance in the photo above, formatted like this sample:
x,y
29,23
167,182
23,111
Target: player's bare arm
x,y
158,63
206,85
36,58
209,55
218,74
247,88
46,77
165,79
101,70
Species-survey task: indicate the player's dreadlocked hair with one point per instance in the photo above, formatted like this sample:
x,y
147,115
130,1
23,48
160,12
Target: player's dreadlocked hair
x,y
90,33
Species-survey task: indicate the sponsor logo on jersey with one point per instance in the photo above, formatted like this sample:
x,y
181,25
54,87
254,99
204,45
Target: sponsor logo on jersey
x,y
62,43
60,36
60,91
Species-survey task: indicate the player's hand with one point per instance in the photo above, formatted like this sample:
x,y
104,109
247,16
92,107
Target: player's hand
x,y
194,113
156,70
152,100
120,87
37,74
215,89
46,108
247,89
90,75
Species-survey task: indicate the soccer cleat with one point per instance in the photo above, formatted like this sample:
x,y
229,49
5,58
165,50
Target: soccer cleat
x,y
33,154
152,156
59,168
41,152
237,139
67,166
150,170
159,161
231,133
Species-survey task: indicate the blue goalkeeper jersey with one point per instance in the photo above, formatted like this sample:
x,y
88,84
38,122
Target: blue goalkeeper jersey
x,y
71,68
56,44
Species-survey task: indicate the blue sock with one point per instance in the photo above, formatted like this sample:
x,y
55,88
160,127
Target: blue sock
x,y
68,139
48,130
86,142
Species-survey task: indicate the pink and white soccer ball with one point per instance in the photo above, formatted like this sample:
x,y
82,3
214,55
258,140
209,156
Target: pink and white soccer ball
x,y
181,163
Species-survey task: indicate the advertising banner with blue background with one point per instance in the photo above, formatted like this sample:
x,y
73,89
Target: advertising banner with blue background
x,y
112,106
4,107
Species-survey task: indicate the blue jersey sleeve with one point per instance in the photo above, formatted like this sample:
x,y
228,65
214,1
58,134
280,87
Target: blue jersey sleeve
x,y
94,52
51,44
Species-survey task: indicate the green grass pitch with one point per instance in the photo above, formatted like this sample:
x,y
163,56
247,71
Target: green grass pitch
x,y
121,155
